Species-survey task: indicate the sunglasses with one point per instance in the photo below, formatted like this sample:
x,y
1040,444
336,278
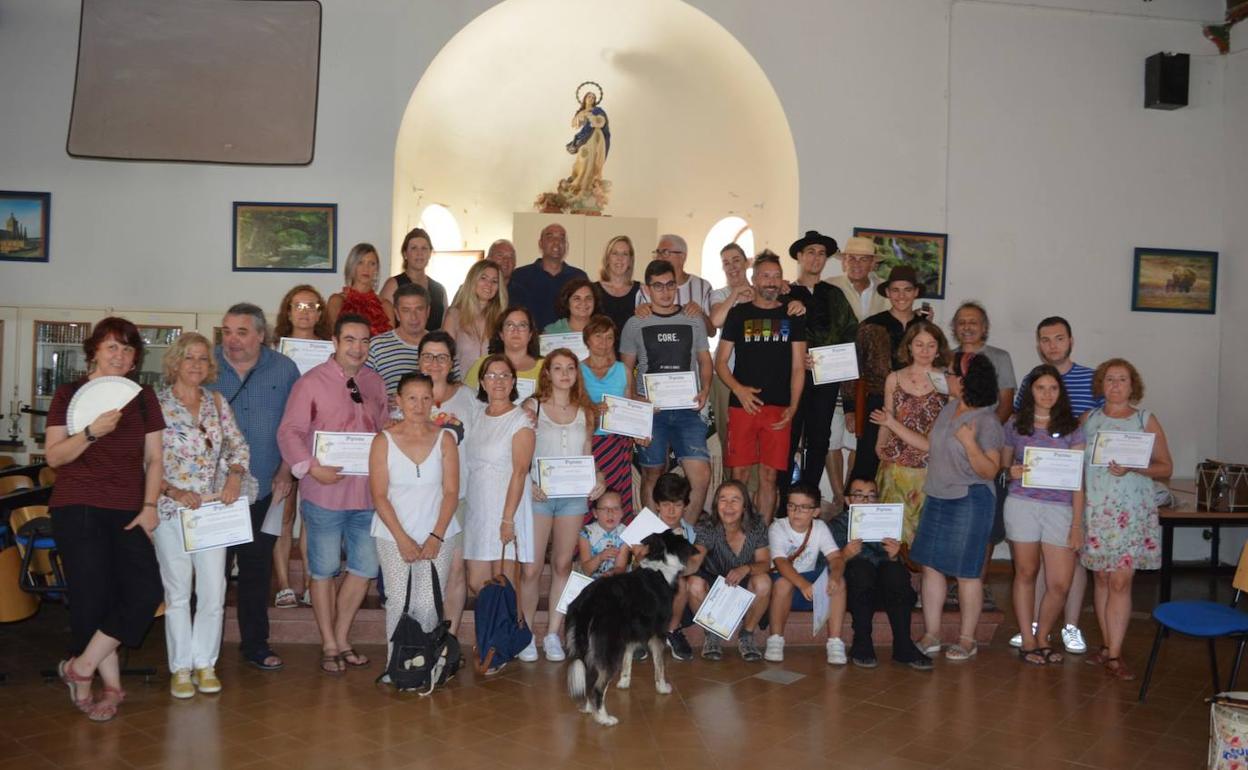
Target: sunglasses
x,y
207,438
355,391
299,306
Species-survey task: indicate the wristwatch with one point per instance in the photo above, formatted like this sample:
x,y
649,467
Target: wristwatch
x,y
87,432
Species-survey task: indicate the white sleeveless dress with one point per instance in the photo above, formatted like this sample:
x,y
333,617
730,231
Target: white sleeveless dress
x,y
488,452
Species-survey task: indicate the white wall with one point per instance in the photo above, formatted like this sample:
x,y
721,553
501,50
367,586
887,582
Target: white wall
x,y
1232,273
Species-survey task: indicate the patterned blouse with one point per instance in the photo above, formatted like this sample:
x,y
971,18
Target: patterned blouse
x,y
367,304
918,413
198,449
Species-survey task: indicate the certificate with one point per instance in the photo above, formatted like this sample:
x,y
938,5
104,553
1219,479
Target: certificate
x,y
566,476
348,451
723,608
215,525
576,583
305,353
574,341
672,390
627,418
820,601
525,387
643,525
1052,468
874,523
834,363
939,381
1127,448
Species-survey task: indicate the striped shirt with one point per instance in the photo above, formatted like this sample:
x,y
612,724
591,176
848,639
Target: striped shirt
x,y
1078,382
694,289
391,357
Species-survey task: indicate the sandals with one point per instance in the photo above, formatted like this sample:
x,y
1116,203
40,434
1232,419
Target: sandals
x,y
65,669
285,600
260,659
1040,656
929,645
1115,668
331,663
1098,658
353,658
106,707
960,652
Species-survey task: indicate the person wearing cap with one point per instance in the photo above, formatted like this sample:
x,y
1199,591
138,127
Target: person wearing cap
x,y
830,320
857,280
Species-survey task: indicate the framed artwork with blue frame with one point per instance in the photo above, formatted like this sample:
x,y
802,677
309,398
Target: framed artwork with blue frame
x,y
927,253
1175,281
285,237
25,226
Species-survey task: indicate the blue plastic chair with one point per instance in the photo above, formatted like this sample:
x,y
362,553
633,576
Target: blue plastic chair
x,y
1205,620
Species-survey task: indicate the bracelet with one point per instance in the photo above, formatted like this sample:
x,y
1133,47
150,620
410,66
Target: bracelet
x,y
149,505
439,537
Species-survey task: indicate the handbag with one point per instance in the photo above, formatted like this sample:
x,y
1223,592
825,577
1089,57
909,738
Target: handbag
x,y
1221,487
501,630
422,660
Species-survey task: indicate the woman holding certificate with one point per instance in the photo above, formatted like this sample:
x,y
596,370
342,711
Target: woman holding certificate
x,y
565,426
912,401
952,539
413,469
574,306
1126,450
499,453
204,454
1044,511
515,337
604,375
475,312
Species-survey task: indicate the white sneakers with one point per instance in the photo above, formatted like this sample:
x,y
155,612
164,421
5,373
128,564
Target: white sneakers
x,y
775,649
552,648
836,652
1073,641
529,654
1016,641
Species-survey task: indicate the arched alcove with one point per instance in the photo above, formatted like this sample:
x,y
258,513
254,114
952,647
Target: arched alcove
x,y
698,133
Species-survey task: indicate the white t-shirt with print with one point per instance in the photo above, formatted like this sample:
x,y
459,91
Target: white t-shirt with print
x,y
784,542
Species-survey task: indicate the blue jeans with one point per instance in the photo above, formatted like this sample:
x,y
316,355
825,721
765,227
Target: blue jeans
x,y
327,532
680,429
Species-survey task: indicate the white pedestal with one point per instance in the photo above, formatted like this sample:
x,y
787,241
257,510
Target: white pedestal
x,y
587,238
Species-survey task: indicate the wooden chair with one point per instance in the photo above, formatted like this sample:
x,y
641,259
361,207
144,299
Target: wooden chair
x,y
15,604
10,484
43,573
7,462
47,476
1205,620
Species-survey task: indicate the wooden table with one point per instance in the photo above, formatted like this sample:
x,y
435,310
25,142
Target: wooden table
x,y
1185,514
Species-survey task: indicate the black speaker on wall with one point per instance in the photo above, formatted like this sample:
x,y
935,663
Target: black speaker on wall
x,y
1165,80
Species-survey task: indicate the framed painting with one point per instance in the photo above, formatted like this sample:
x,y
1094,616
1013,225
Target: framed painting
x,y
1175,281
927,253
286,237
24,225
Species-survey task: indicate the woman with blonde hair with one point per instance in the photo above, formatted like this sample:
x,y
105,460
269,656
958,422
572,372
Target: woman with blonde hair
x,y
359,296
302,315
617,291
416,251
478,305
205,458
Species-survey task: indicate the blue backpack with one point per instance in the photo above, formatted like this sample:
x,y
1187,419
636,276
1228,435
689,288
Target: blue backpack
x,y
501,631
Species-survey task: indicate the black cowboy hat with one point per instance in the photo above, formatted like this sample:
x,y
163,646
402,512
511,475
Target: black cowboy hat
x,y
812,238
901,273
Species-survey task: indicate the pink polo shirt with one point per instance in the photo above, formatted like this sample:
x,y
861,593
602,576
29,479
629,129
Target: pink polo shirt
x,y
320,400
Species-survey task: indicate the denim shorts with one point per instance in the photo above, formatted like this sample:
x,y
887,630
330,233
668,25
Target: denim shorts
x,y
561,506
328,530
681,430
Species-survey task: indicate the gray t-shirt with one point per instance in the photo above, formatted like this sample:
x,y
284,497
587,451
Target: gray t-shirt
x,y
949,471
664,343
1004,365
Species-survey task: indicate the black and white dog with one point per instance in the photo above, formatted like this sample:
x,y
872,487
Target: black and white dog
x,y
618,613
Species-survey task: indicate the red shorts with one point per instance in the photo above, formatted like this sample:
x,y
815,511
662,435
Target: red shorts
x,y
751,439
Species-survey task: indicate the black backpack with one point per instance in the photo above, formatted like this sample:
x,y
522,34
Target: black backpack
x,y
422,660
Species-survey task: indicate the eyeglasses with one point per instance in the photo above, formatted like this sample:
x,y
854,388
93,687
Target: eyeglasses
x,y
300,306
518,326
207,438
609,508
664,286
496,376
863,495
800,507
435,358
668,253
355,391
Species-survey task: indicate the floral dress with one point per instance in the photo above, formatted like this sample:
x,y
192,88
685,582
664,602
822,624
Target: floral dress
x,y
367,304
1121,527
198,449
903,469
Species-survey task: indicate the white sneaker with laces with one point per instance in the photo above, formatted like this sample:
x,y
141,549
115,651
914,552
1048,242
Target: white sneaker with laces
x,y
1073,641
529,654
775,649
1016,641
553,648
836,652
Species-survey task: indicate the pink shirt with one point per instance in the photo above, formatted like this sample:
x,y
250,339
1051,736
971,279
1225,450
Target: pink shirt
x,y
320,400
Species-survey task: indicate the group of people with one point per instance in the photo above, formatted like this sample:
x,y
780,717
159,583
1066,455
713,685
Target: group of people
x,y
460,401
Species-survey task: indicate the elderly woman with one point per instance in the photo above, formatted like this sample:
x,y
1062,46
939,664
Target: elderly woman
x,y
734,539
416,250
413,469
475,312
303,316
1122,531
103,509
205,457
359,296
453,403
604,375
963,459
616,291
574,306
515,337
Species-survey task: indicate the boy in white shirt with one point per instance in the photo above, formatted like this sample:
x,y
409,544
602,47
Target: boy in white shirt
x,y
796,542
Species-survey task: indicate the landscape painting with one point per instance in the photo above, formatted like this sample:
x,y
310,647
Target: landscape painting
x,y
1175,281
24,225
927,253
286,237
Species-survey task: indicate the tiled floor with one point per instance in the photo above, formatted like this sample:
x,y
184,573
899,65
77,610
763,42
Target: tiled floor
x,y
990,713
